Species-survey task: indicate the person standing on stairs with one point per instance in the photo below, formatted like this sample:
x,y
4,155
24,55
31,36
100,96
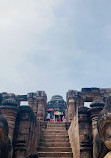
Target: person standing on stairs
x,y
48,116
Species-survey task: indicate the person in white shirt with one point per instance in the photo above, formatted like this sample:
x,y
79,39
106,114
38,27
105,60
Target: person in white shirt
x,y
48,116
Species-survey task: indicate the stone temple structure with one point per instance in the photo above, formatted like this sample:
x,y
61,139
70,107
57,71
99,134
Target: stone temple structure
x,y
57,104
86,132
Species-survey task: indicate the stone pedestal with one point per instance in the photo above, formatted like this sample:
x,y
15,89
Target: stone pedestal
x,y
96,107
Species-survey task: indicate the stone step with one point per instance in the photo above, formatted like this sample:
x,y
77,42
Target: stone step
x,y
53,136
54,144
54,131
55,154
56,125
56,128
54,140
56,157
54,149
53,123
56,135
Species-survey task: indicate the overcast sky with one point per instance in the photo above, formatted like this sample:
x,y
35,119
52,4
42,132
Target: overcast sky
x,y
54,45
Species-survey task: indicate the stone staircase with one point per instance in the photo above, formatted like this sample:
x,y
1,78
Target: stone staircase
x,y
54,142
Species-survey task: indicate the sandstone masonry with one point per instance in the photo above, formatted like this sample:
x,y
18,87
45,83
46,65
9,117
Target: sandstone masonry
x,y
86,133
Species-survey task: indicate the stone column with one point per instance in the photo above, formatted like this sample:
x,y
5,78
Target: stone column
x,y
79,101
73,100
85,132
9,110
70,101
32,102
42,102
38,101
96,107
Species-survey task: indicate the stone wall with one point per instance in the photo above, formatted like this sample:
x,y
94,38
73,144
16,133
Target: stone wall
x,y
83,129
24,129
26,134
19,138
22,138
80,134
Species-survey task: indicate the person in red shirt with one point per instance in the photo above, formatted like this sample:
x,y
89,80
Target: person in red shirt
x,y
59,119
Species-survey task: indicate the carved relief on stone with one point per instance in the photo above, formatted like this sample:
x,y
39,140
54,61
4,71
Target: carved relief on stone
x,y
27,133
5,145
96,107
104,126
108,155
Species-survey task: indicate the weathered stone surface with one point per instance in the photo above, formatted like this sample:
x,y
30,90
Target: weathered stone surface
x,y
33,156
73,133
104,126
96,107
55,144
5,145
10,110
57,103
73,100
85,132
25,130
108,155
76,99
80,134
27,133
38,101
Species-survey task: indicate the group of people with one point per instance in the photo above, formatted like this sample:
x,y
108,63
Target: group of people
x,y
51,118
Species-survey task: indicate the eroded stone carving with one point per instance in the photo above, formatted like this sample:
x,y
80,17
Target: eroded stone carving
x,y
5,145
23,127
104,126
